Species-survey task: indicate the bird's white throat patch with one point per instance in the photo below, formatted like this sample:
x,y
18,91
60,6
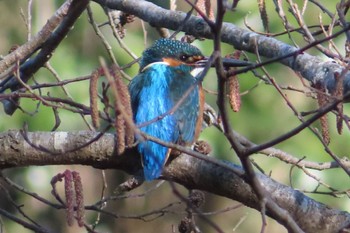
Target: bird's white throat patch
x,y
154,63
196,71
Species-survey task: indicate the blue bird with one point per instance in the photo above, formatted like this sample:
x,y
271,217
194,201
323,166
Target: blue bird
x,y
165,76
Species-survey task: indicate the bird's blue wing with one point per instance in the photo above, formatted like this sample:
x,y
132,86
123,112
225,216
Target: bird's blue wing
x,y
187,114
149,93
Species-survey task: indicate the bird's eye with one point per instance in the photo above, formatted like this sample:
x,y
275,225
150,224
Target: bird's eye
x,y
184,57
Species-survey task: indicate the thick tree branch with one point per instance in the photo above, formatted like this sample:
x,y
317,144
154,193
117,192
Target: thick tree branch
x,y
73,10
27,49
311,68
191,172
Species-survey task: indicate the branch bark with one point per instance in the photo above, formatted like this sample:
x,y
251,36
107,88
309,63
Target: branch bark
x,y
312,68
191,172
64,20
27,49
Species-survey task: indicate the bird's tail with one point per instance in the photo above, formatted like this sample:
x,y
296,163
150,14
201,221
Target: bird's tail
x,y
153,159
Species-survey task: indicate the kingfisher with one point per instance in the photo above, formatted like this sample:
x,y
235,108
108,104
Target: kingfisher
x,y
168,74
164,78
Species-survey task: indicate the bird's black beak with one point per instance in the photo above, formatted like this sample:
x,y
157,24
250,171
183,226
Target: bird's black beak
x,y
227,62
230,62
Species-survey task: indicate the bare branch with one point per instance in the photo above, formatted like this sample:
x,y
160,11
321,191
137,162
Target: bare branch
x,y
54,39
191,172
32,45
310,67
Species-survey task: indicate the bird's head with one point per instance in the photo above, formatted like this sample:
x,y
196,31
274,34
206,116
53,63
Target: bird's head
x,y
172,53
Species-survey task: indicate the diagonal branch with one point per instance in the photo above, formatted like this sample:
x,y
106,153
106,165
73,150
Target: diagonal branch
x,y
47,48
310,67
27,49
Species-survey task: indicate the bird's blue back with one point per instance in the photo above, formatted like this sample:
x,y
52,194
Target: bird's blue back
x,y
154,92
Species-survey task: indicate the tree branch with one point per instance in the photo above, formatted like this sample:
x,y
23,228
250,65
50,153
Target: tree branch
x,y
27,49
310,67
191,172
73,10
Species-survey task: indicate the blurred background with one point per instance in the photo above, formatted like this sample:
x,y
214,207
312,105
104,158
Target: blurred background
x,y
264,115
